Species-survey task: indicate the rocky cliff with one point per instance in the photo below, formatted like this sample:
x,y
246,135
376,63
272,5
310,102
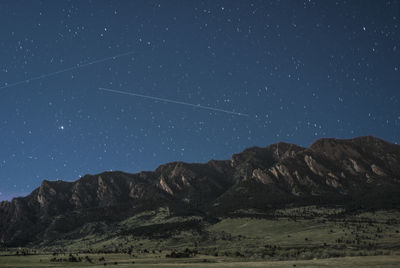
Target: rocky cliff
x,y
361,173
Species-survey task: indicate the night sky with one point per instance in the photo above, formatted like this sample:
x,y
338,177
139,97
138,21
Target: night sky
x,y
217,77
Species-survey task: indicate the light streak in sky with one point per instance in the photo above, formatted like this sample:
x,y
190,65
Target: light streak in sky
x,y
78,66
173,101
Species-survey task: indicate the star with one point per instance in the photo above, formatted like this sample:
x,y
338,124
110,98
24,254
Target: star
x,y
207,77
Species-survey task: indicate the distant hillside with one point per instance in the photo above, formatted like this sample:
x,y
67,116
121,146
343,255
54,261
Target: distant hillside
x,y
360,173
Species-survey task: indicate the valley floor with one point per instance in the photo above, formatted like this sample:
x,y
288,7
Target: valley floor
x,y
297,237
123,260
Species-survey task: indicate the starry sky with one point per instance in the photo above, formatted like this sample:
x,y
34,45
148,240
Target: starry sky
x,y
216,76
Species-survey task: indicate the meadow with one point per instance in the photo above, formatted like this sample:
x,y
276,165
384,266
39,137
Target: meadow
x,y
122,260
297,237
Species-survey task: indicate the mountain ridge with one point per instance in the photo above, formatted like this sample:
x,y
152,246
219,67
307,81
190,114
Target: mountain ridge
x,y
361,172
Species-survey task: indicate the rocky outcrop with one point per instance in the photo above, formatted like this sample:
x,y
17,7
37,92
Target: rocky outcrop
x,y
361,172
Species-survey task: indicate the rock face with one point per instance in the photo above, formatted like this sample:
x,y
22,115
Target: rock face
x,y
360,172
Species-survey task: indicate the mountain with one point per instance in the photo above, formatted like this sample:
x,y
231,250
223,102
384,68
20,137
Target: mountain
x,y
359,173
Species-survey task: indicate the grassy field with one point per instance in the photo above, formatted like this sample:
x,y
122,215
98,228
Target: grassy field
x,y
122,260
304,237
292,229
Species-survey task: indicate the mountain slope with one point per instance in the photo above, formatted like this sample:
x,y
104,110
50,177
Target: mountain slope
x,y
360,172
